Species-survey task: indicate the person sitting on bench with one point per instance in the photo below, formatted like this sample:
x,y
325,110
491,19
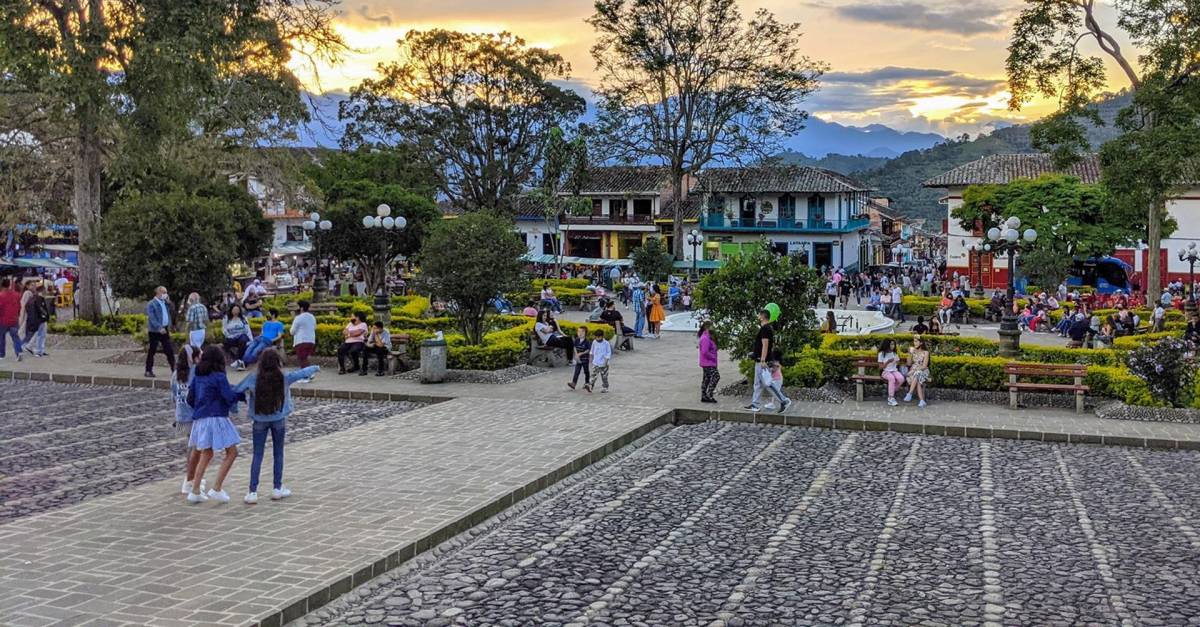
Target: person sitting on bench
x,y
379,344
613,317
551,336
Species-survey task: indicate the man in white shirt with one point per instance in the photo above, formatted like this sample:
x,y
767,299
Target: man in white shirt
x,y
304,334
897,300
601,353
1160,315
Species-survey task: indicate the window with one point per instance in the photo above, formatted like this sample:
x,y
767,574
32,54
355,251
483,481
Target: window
x,y
816,208
616,208
597,207
787,207
749,210
642,206
294,234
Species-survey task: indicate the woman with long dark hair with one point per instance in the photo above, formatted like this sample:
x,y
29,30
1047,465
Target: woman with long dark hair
x,y
237,334
550,334
708,363
269,400
656,313
889,369
211,398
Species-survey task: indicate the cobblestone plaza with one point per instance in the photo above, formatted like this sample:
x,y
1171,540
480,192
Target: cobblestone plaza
x,y
715,523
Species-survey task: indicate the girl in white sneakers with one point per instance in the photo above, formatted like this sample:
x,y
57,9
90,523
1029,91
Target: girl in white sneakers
x,y
269,401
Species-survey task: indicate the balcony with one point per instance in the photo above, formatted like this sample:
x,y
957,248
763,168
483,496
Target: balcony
x,y
718,222
620,218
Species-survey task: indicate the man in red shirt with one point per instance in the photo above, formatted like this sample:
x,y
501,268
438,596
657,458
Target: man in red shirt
x,y
10,316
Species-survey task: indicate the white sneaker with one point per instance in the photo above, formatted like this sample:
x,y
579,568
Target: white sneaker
x,y
921,404
303,381
770,405
908,398
241,365
281,493
220,497
187,487
194,498
251,498
19,357
892,402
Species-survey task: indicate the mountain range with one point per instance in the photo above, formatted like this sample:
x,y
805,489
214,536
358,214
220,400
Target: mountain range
x,y
819,138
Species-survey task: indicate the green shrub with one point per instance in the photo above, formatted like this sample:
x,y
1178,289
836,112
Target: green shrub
x,y
937,344
80,327
536,284
928,305
838,365
968,373
1130,342
490,356
807,372
410,306
1119,383
1062,355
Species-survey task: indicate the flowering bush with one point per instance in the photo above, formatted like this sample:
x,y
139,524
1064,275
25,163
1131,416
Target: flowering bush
x,y
1168,367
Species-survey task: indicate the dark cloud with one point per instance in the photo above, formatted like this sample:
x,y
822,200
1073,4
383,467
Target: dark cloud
x,y
898,88
967,19
364,12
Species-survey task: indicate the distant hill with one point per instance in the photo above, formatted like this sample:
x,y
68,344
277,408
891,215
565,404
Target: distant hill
x,y
838,163
820,138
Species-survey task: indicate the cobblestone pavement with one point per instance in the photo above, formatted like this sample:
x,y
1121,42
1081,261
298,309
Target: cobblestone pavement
x,y
63,444
719,524
142,556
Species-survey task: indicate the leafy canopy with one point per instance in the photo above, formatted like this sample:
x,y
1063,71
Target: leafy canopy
x,y
734,294
469,260
689,82
183,237
479,107
652,261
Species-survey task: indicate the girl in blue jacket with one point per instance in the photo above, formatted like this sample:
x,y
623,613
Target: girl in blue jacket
x,y
269,398
181,381
212,398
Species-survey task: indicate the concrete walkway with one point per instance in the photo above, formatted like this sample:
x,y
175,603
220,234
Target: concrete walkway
x,y
366,499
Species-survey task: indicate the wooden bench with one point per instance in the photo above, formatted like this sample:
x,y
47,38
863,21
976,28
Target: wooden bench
x,y
861,377
1074,372
589,301
548,356
398,353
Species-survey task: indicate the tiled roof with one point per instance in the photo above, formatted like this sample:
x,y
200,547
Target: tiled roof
x,y
796,179
691,208
1005,168
626,179
884,210
524,207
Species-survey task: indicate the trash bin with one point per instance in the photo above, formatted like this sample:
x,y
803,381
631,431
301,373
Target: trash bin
x,y
433,361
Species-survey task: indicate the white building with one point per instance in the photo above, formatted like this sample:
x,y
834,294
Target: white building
x,y
816,213
1004,168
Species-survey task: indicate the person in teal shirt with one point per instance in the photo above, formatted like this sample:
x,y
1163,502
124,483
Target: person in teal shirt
x,y
272,330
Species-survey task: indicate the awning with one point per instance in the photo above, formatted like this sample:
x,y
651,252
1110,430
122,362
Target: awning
x,y
701,264
291,248
61,248
585,261
37,262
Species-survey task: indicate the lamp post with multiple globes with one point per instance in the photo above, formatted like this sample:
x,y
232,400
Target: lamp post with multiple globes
x,y
312,226
1190,255
1006,238
383,220
694,239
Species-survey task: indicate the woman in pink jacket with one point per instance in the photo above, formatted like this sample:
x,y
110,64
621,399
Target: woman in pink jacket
x,y
708,363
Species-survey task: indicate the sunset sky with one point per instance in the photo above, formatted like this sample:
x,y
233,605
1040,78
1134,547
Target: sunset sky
x,y
924,65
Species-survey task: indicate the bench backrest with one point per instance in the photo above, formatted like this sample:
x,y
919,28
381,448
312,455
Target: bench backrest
x,y
1046,370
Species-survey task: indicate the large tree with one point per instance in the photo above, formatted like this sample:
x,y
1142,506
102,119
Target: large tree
x,y
468,261
1047,57
478,106
564,174
690,82
1073,220
124,80
182,235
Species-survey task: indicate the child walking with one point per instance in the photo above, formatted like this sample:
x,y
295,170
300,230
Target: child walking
x,y
583,347
269,402
776,367
601,352
180,383
212,397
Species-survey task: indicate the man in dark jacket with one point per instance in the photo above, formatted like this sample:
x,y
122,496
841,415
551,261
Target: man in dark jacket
x,y
158,325
10,317
37,316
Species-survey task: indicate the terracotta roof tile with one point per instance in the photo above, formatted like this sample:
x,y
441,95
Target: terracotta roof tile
x,y
778,179
1005,168
627,179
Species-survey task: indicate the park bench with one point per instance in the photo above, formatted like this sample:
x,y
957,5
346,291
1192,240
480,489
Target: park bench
x,y
548,356
861,377
1074,372
589,301
398,353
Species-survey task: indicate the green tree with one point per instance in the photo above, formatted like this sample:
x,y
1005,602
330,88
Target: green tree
x,y
153,75
1149,163
479,107
183,240
689,82
1073,219
375,249
652,261
468,261
734,294
564,173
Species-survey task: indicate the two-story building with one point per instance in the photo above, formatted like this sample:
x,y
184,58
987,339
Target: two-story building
x,y
992,271
815,213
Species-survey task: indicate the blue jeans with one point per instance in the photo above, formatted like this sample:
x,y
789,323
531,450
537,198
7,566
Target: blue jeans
x,y
639,324
257,346
39,338
278,429
15,334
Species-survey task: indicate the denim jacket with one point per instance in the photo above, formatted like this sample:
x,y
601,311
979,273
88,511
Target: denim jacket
x,y
247,386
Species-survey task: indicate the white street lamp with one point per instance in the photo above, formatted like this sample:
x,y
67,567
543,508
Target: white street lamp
x,y
383,210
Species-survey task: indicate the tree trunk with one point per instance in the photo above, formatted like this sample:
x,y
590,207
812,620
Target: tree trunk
x,y
1154,254
85,204
677,220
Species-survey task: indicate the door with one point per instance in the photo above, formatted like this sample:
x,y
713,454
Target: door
x,y
748,213
979,270
823,254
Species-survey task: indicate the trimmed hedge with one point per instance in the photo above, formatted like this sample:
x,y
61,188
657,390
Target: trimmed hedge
x,y
1130,342
928,305
937,344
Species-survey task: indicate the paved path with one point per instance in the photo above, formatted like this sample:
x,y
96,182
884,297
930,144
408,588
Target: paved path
x,y
365,498
760,525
